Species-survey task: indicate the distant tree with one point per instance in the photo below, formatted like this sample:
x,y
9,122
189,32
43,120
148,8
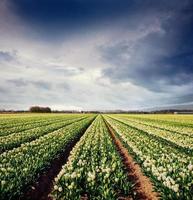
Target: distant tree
x,y
39,109
47,110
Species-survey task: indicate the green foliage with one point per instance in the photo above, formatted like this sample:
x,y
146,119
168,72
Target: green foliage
x,y
21,166
170,167
38,109
94,167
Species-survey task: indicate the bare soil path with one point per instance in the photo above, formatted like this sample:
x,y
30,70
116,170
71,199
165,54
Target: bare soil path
x,y
41,189
143,188
43,186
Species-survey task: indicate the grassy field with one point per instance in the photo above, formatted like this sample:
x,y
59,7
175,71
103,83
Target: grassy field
x,y
96,157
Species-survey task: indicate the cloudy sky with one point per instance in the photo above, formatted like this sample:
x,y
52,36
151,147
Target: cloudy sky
x,y
95,54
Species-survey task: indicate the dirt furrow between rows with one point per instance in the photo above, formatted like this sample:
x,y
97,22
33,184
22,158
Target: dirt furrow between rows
x,y
143,188
41,189
43,186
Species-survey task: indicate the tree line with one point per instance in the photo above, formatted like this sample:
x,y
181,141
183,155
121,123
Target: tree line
x,y
39,109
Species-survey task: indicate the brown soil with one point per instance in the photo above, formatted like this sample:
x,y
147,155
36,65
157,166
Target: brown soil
x,y
84,197
43,186
143,188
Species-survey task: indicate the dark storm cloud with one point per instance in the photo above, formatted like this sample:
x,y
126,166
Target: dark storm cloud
x,y
78,12
156,73
69,13
182,99
159,60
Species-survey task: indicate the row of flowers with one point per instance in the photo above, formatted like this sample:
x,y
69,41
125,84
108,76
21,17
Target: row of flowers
x,y
179,139
10,121
16,126
179,125
21,166
171,169
182,120
16,139
93,168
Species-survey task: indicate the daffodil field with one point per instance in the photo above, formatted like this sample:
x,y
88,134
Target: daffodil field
x,y
94,166
162,145
163,157
21,165
14,140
